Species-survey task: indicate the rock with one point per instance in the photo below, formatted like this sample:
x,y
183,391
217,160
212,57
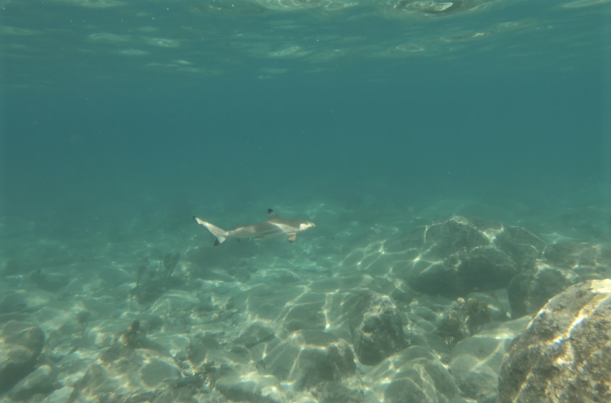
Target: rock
x,y
457,256
14,267
380,332
406,391
240,273
437,278
62,395
586,261
476,314
522,245
567,255
279,277
484,269
425,313
336,392
22,302
150,374
565,354
497,304
133,337
414,375
203,348
264,301
39,381
156,372
531,289
255,334
457,234
452,327
309,358
5,317
152,278
402,294
175,301
71,369
20,346
476,361
255,389
306,315
49,281
13,303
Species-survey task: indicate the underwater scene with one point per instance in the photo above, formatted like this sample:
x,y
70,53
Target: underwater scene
x,y
305,201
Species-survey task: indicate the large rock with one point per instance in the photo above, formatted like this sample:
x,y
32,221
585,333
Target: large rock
x,y
266,302
255,334
151,373
62,395
457,234
560,266
380,331
255,389
459,255
14,302
40,381
51,282
531,289
412,376
20,346
570,255
485,268
476,361
565,354
522,245
311,357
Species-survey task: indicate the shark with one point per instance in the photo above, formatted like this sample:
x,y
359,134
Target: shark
x,y
274,227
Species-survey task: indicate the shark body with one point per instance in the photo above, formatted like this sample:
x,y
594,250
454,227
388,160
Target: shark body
x,y
272,228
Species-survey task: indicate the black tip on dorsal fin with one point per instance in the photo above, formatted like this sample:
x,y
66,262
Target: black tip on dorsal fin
x,y
271,214
269,211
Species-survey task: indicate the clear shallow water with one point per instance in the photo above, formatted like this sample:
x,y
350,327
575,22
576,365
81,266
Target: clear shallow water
x,y
121,120
108,103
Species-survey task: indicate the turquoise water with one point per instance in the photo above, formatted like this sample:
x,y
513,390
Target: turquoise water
x,y
120,120
107,104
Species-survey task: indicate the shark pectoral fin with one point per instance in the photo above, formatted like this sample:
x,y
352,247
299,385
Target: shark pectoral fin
x,y
292,237
271,214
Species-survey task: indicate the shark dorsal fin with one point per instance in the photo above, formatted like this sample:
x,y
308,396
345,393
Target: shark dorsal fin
x,y
271,214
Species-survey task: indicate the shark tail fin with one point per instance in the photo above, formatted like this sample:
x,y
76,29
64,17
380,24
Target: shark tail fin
x,y
220,234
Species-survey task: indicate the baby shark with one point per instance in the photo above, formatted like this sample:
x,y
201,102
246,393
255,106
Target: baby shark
x,y
274,227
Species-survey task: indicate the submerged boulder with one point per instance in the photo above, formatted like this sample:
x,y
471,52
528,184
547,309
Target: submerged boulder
x,y
476,361
459,255
565,353
20,346
414,375
380,332
484,268
560,266
40,381
522,245
309,358
256,389
531,289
